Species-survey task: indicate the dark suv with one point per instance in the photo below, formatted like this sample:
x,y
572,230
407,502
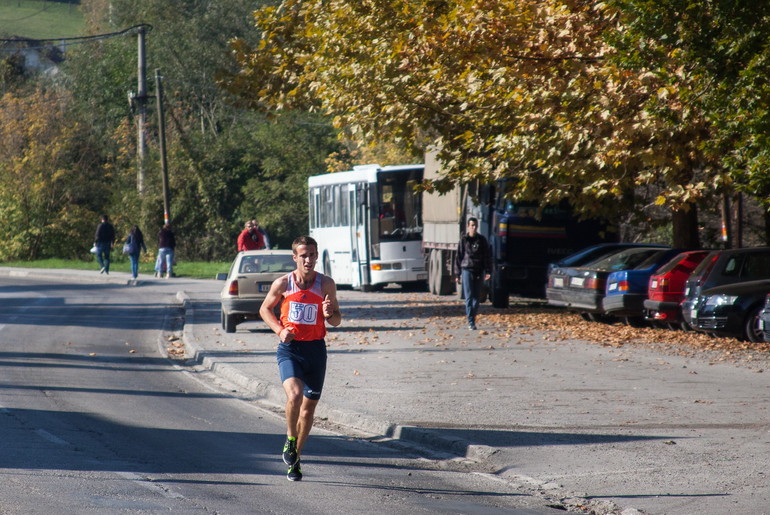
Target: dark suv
x,y
721,268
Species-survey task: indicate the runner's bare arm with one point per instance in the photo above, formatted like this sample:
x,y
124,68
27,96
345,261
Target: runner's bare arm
x,y
272,299
331,308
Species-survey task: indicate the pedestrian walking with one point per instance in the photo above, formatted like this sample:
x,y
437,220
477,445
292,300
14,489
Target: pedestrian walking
x,y
104,240
309,302
133,247
473,266
166,246
251,238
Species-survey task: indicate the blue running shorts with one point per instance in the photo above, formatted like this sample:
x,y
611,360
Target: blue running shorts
x,y
305,360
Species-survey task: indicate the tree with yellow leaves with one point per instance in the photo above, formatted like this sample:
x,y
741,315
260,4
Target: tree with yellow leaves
x,y
544,93
49,181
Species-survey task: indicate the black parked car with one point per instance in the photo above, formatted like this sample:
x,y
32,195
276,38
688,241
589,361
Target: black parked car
x,y
719,268
732,310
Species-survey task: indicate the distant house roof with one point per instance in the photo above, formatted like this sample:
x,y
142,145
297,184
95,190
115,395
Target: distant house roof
x,y
38,57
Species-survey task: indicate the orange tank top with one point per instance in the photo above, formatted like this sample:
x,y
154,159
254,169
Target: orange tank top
x,y
302,310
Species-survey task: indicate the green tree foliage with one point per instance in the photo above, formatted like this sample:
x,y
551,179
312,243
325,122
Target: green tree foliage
x,y
49,178
595,102
290,150
715,54
225,164
504,88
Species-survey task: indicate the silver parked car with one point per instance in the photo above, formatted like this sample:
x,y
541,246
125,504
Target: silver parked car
x,y
246,285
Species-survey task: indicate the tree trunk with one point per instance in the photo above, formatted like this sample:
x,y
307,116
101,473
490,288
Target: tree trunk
x,y
767,226
738,221
685,225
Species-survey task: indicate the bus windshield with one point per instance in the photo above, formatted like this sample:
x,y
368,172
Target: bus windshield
x,y
398,207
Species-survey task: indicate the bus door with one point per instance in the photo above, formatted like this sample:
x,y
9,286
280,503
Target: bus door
x,y
360,235
352,271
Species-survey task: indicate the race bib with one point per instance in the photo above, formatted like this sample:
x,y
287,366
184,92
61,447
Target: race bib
x,y
301,313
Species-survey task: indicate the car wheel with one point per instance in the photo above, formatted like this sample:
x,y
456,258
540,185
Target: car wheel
x,y
635,321
222,317
751,331
600,318
230,323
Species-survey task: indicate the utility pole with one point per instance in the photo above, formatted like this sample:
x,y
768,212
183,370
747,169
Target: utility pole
x,y
141,99
162,141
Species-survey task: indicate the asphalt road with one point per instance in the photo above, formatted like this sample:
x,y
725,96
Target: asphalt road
x,y
588,426
96,419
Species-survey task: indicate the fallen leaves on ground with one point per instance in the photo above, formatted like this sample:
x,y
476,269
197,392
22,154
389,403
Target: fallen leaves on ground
x,y
561,325
532,321
176,349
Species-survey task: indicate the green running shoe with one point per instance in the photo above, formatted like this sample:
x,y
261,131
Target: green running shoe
x,y
295,473
290,455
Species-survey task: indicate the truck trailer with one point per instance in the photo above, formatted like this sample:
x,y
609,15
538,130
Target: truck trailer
x,y
525,237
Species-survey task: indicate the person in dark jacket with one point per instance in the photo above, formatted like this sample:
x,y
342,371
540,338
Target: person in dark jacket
x,y
104,240
166,245
473,266
135,242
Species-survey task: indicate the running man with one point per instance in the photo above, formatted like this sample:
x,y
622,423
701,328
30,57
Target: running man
x,y
309,301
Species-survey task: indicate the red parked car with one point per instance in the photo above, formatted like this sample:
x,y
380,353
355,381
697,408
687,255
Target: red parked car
x,y
665,291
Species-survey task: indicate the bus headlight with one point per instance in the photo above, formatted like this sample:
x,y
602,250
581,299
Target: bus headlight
x,y
387,266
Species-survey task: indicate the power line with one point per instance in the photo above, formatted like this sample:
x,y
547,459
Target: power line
x,y
67,41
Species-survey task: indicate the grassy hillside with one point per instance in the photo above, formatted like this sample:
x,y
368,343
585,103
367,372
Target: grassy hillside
x,y
39,19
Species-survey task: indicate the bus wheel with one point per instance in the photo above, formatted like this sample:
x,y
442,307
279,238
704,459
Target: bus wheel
x,y
327,265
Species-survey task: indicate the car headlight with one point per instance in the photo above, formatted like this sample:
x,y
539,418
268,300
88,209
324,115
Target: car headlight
x,y
721,300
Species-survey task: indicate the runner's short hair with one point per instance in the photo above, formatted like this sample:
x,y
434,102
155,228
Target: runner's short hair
x,y
303,240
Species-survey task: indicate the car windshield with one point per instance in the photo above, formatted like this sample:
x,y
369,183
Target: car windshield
x,y
625,260
685,261
267,264
652,259
705,265
588,255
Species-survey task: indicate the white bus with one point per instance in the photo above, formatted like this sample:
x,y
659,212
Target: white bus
x,y
368,225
